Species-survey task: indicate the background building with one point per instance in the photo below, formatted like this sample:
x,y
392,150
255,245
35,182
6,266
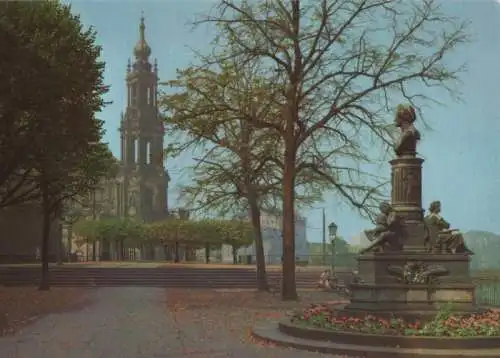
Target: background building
x,y
272,235
140,189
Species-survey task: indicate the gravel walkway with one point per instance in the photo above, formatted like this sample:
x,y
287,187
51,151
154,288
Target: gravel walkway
x,y
129,323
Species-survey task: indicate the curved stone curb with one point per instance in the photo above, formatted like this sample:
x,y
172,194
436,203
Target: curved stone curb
x,y
380,340
269,331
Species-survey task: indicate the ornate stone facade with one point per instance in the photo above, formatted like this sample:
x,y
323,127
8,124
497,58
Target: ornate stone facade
x,y
143,180
140,188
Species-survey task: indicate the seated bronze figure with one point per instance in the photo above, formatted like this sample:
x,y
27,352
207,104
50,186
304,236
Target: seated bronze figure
x,y
388,232
440,238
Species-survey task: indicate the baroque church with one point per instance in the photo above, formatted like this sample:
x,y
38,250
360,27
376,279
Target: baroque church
x,y
140,189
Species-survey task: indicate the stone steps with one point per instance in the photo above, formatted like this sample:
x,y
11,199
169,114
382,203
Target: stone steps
x,y
147,277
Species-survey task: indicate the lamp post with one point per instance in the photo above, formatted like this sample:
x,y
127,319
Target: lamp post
x,y
332,231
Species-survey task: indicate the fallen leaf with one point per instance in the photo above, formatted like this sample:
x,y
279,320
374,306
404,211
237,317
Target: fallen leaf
x,y
22,305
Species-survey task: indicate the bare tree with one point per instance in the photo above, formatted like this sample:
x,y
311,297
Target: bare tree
x,y
339,66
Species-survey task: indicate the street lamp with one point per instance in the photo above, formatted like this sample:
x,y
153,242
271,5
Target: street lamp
x,y
332,231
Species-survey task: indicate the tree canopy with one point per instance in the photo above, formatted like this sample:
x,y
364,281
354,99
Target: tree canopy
x,y
189,232
111,229
207,112
50,148
48,128
198,233
332,71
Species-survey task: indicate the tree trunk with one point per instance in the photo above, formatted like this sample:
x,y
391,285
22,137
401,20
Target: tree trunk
x,y
44,279
262,284
121,249
69,242
176,252
86,249
207,253
59,247
288,288
235,255
93,250
98,244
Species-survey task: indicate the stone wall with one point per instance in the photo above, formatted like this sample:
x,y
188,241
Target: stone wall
x,y
21,234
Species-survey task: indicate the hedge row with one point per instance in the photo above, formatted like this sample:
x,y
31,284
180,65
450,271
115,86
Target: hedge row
x,y
194,233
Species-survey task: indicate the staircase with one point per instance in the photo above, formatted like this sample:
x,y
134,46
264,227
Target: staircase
x,y
182,277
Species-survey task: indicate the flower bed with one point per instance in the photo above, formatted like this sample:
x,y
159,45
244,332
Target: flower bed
x,y
445,324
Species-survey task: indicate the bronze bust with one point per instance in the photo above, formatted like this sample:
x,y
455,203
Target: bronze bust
x,y
407,141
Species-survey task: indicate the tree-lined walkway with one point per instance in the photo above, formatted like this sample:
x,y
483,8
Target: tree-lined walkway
x,y
147,323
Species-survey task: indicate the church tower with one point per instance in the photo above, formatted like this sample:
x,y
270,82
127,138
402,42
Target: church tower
x,y
144,178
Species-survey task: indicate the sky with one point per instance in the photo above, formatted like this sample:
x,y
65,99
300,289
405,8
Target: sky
x,y
461,151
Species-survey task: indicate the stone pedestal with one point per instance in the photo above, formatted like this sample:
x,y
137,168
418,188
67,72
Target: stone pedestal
x,y
406,194
406,199
381,292
412,282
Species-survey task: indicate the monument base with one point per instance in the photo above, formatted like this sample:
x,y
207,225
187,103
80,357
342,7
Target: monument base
x,y
388,287
415,231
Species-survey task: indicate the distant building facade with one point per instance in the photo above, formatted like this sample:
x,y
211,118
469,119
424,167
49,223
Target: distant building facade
x,y
272,236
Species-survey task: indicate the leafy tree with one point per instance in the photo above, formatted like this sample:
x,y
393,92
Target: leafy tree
x,y
86,228
101,167
233,175
195,234
336,68
237,234
23,89
241,168
119,231
344,255
66,159
201,233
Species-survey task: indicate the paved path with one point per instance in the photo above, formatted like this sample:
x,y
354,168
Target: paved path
x,y
129,323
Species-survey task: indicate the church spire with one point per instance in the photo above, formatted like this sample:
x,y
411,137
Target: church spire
x,y
142,28
142,49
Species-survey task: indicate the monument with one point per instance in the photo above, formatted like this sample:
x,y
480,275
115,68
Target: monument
x,y
414,263
413,296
